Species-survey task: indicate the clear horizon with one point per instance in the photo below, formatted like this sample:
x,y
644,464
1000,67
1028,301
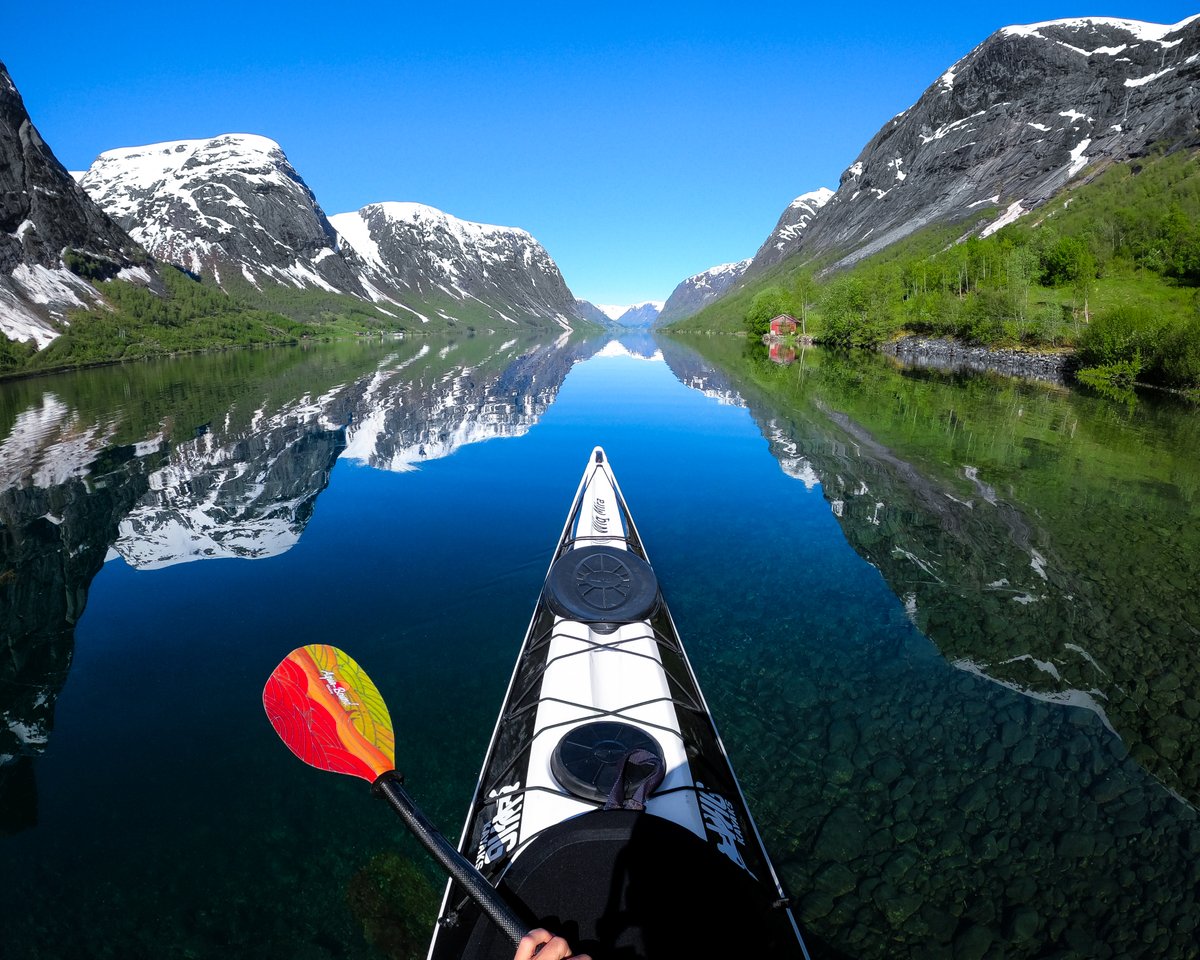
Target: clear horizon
x,y
639,146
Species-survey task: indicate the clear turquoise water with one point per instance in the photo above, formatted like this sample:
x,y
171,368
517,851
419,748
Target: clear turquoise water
x,y
914,807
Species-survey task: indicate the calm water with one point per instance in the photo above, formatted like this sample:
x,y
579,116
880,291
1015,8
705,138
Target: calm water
x,y
949,627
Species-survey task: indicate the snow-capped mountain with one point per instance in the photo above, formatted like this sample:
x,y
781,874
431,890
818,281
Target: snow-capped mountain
x,y
587,310
785,239
230,208
1008,126
632,315
233,209
46,223
698,291
417,253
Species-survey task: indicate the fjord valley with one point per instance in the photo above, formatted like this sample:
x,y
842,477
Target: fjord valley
x,y
945,619
1044,191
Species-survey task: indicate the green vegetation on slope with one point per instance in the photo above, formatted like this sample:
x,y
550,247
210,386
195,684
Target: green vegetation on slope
x,y
198,315
138,323
1111,267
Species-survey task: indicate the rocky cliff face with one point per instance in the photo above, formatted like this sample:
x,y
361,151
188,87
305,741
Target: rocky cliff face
x,y
1009,125
698,291
230,208
789,232
419,255
43,215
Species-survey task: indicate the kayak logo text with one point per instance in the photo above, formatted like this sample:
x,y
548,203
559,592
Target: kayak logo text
x,y
500,833
337,689
599,516
721,819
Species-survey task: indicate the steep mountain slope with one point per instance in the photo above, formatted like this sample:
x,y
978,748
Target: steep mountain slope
x,y
46,221
789,232
1007,126
234,210
701,289
417,253
230,208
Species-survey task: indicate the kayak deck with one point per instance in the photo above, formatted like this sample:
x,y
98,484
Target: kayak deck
x,y
603,710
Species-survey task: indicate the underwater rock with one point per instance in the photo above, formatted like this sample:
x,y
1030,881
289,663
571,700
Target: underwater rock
x,y
1073,845
843,836
972,943
396,904
836,880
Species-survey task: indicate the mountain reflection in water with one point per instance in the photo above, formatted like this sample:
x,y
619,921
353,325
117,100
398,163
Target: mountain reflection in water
x,y
1044,546
136,482
946,626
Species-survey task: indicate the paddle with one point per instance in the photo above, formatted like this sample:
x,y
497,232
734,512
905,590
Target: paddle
x,y
329,713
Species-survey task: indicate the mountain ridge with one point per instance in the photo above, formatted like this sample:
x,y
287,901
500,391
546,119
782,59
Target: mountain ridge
x,y
233,210
1011,123
700,289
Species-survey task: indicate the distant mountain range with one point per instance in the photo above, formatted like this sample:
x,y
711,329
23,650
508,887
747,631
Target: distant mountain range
x,y
623,315
1004,129
232,210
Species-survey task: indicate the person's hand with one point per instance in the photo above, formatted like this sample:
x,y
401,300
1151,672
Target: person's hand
x,y
543,945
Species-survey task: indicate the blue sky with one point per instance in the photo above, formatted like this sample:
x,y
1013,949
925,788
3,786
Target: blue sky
x,y
640,143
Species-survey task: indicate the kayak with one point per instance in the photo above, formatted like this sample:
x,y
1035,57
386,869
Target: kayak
x,y
607,810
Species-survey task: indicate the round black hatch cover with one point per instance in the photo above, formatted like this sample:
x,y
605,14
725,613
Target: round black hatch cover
x,y
600,584
587,759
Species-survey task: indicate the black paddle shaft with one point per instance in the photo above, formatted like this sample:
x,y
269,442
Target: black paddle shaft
x,y
461,870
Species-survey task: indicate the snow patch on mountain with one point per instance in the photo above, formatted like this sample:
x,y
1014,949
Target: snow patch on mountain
x,y
415,250
790,229
697,291
1151,32
231,207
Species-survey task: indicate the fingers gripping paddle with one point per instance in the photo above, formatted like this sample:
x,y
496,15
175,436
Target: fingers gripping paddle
x,y
329,713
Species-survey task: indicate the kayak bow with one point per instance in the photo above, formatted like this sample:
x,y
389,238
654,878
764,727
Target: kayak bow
x,y
607,810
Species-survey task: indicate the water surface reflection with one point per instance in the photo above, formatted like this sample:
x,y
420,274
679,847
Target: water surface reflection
x,y
1047,546
946,626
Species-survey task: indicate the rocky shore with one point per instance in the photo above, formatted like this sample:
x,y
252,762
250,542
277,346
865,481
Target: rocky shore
x,y
954,355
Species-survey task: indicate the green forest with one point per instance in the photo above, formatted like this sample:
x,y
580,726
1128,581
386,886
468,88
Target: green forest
x,y
1110,268
139,323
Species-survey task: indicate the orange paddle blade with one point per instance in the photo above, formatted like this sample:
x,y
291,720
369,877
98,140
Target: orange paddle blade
x,y
329,712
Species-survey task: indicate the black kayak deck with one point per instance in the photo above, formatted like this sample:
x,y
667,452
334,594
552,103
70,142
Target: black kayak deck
x,y
651,889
